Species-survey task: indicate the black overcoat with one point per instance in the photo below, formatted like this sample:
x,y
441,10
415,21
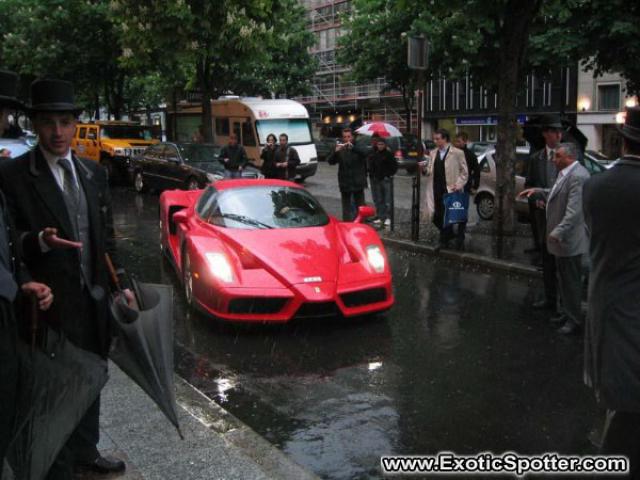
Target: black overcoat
x,y
36,202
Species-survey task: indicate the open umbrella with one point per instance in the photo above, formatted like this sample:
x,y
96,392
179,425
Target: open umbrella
x,y
143,344
380,128
532,133
58,383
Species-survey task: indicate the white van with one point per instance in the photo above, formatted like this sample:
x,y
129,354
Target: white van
x,y
253,119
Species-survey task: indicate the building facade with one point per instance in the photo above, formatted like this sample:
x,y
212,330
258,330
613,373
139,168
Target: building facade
x,y
600,99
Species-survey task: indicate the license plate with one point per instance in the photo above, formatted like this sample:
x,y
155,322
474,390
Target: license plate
x,y
413,154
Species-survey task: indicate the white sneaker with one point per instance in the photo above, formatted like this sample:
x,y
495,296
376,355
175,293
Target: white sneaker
x,y
387,222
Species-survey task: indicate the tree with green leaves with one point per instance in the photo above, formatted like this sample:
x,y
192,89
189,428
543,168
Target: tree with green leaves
x,y
230,46
375,45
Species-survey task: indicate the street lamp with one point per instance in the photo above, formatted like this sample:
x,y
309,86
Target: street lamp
x,y
417,59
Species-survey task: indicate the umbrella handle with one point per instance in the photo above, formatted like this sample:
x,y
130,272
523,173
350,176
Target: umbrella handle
x,y
112,272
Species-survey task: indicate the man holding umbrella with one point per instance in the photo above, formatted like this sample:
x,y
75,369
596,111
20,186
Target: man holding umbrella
x,y
62,209
10,276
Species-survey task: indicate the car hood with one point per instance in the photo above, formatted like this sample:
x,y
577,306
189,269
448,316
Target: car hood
x,y
209,167
293,255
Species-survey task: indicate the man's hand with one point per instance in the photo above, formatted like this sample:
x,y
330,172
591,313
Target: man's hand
x,y
41,292
527,192
455,188
553,238
50,237
541,204
340,146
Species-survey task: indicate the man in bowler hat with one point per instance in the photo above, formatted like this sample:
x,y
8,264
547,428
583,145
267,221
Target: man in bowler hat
x,y
612,335
62,209
11,276
541,175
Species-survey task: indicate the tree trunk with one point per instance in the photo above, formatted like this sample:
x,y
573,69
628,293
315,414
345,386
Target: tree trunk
x,y
96,100
205,87
514,38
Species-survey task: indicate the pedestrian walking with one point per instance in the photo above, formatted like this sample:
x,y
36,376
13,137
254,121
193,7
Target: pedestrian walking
x,y
267,155
61,206
470,188
234,157
612,334
567,238
541,175
12,275
352,174
286,159
382,166
446,172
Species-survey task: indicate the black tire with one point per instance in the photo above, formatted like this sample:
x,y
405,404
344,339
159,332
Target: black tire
x,y
192,184
139,184
485,204
108,166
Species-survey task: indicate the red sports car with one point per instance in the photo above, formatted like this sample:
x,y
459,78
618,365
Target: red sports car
x,y
266,251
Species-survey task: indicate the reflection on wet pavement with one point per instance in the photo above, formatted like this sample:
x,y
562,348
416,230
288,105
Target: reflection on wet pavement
x,y
460,363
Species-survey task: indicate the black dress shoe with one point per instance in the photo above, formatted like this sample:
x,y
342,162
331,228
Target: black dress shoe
x,y
104,465
543,305
569,328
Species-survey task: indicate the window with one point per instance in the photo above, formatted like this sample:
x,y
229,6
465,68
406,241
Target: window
x,y
609,97
222,126
92,134
83,132
248,137
171,153
298,130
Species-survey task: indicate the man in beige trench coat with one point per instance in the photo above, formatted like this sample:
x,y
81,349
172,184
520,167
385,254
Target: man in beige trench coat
x,y
446,172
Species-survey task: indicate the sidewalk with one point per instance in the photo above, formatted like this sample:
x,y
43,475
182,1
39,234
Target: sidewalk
x,y
216,444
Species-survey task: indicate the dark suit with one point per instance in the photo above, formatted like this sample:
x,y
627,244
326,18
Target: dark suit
x,y
352,178
80,309
541,173
612,339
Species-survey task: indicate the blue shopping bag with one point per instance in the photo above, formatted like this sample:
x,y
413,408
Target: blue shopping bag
x,y
456,207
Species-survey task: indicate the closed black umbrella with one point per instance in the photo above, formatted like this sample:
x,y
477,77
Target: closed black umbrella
x,y
143,344
58,383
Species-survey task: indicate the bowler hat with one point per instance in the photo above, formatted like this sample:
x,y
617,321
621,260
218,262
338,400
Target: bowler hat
x,y
50,95
9,89
550,121
631,127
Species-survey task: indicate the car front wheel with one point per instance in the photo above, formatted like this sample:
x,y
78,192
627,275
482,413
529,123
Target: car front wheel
x,y
486,206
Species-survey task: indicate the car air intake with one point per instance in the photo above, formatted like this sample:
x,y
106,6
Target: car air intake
x,y
317,309
256,305
364,297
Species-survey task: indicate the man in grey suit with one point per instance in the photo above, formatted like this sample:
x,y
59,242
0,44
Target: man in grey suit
x,y
612,334
567,238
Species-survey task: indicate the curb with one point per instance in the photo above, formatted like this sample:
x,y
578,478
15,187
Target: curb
x,y
271,460
468,258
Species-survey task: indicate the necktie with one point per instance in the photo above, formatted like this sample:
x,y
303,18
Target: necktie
x,y
68,185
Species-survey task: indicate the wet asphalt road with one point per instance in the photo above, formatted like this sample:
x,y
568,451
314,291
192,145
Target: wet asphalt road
x,y
461,363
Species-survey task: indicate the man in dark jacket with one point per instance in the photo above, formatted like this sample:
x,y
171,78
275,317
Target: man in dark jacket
x,y
234,157
11,276
61,206
382,166
461,142
612,339
541,175
286,159
352,174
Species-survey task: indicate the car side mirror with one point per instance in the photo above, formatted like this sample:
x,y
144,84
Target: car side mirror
x,y
180,217
173,159
364,212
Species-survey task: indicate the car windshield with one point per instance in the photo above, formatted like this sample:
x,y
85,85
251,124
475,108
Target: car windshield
x,y
298,130
262,207
598,156
195,153
126,132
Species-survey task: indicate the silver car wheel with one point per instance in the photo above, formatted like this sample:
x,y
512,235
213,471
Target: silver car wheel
x,y
486,207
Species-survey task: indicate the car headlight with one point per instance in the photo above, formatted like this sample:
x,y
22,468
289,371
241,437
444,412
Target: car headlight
x,y
214,177
375,258
220,267
118,151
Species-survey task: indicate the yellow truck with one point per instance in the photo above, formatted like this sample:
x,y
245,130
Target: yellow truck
x,y
112,144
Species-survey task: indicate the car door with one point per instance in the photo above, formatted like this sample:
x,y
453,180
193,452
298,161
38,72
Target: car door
x,y
92,150
176,172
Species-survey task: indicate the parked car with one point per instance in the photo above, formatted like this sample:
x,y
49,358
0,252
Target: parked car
x,y
405,149
14,147
485,196
266,251
480,147
598,157
180,165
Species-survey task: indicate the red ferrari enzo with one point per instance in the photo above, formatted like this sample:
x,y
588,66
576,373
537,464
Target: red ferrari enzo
x,y
266,251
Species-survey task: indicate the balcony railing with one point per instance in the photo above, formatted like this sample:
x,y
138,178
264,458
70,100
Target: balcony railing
x,y
340,91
